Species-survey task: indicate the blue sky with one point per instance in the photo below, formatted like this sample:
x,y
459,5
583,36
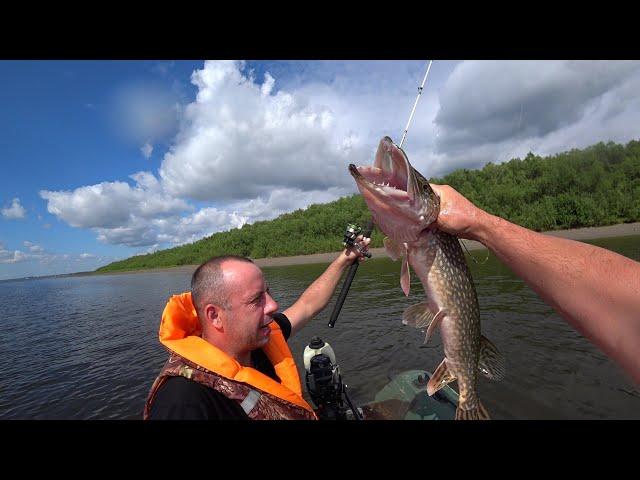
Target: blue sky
x,y
102,160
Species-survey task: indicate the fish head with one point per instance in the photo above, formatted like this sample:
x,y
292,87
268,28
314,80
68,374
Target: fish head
x,y
400,199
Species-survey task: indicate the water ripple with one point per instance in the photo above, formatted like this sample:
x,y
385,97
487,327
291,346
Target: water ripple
x,y
87,347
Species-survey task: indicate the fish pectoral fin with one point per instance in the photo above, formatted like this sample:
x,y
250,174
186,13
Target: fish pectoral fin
x,y
490,361
421,316
405,276
418,315
394,250
440,378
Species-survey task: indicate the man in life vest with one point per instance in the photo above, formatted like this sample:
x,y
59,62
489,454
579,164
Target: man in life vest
x,y
227,342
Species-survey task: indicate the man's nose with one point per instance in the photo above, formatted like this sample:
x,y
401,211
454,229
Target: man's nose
x,y
271,306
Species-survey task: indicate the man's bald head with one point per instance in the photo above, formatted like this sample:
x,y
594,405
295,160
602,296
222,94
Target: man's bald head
x,y
208,283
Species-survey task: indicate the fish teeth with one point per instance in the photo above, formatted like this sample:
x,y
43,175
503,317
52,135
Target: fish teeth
x,y
385,184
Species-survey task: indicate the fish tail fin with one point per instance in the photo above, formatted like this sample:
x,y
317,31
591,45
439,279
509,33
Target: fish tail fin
x,y
478,413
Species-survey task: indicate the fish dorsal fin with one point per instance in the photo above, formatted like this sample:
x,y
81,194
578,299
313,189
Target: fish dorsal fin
x,y
490,361
440,378
421,316
405,276
394,250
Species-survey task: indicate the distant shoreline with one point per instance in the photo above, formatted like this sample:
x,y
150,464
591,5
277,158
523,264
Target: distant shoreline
x,y
587,233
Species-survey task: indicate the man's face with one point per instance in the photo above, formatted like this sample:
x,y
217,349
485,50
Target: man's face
x,y
251,307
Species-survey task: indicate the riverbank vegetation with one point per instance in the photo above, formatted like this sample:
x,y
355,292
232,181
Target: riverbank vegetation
x,y
595,186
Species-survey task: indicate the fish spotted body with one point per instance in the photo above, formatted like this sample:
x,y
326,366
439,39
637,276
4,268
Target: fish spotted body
x,y
405,207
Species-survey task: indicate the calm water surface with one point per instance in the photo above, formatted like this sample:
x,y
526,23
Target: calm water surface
x,y
87,347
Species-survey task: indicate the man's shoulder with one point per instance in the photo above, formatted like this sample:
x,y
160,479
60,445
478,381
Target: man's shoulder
x,y
183,387
181,390
182,399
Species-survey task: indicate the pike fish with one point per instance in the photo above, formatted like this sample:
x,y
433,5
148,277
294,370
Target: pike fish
x,y
404,206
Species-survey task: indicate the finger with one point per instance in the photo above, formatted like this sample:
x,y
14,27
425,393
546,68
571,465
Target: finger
x,y
437,189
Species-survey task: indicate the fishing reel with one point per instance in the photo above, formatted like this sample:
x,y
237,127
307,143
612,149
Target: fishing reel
x,y
351,233
324,383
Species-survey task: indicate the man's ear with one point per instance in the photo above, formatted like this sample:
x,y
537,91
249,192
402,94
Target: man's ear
x,y
212,315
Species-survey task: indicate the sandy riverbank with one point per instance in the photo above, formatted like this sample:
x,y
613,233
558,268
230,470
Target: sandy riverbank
x,y
589,233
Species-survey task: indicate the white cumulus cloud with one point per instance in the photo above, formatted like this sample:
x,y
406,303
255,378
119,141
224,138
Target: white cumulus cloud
x,y
251,146
15,256
240,141
497,110
33,247
113,204
248,148
15,211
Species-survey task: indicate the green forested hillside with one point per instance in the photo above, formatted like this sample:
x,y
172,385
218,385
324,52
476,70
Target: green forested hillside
x,y
599,185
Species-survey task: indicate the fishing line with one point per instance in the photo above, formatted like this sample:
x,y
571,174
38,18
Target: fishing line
x,y
472,257
369,228
420,88
404,135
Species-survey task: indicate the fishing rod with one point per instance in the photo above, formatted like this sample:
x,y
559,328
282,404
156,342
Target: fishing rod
x,y
347,281
369,228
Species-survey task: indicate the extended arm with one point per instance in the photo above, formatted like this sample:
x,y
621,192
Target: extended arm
x,y
596,290
316,297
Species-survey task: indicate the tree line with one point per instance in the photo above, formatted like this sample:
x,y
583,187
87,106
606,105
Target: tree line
x,y
595,186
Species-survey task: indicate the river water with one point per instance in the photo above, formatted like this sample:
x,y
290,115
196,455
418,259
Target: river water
x,y
87,347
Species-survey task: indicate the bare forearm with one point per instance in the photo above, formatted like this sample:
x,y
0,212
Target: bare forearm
x,y
595,290
316,297
319,293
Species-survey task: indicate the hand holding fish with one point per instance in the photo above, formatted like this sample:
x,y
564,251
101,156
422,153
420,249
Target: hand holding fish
x,y
458,216
595,290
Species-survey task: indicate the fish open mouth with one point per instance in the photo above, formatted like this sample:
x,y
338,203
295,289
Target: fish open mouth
x,y
389,174
398,197
387,181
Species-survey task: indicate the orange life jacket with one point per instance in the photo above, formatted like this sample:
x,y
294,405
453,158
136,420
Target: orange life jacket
x,y
180,333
